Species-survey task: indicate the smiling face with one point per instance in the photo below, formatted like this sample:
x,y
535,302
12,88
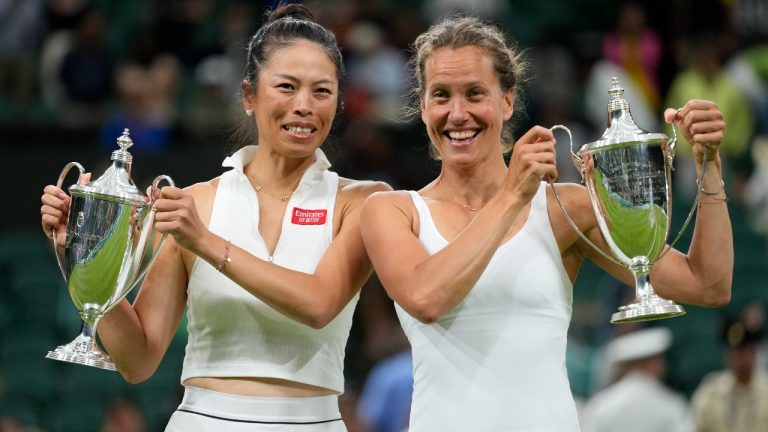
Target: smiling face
x,y
295,99
463,105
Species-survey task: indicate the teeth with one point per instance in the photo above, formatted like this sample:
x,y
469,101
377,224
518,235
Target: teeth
x,y
299,130
456,135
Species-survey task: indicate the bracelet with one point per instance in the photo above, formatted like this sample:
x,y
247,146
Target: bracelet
x,y
715,200
226,259
717,192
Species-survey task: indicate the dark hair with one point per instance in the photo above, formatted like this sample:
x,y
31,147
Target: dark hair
x,y
285,25
456,31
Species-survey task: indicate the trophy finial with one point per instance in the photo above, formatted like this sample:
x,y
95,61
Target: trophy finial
x,y
122,154
617,101
125,141
616,91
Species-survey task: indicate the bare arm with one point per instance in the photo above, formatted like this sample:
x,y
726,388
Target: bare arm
x,y
429,285
703,276
312,299
138,336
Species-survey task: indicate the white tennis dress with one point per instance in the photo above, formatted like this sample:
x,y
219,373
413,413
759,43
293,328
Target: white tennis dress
x,y
234,334
496,361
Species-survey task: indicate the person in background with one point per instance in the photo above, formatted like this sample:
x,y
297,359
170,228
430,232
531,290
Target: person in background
x,y
267,258
481,261
638,399
735,399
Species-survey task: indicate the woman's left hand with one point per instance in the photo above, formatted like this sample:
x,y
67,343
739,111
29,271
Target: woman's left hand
x,y
177,215
702,124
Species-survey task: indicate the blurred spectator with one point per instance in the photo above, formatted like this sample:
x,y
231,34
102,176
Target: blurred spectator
x,y
213,104
735,399
21,30
554,101
705,78
123,415
62,19
179,28
756,191
87,74
385,402
637,49
638,400
65,14
596,98
749,20
147,87
377,74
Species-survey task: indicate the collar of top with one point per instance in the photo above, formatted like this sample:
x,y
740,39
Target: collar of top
x,y
245,155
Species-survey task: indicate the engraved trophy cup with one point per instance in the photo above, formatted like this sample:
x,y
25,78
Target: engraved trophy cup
x,y
627,173
108,248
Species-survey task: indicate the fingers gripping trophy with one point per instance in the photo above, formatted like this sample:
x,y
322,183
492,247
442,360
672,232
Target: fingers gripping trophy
x,y
108,248
627,173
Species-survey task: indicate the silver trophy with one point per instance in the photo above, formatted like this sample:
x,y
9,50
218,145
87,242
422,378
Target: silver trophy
x,y
628,176
108,248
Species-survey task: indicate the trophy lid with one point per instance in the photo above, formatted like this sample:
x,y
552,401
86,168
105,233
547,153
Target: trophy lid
x,y
115,184
622,130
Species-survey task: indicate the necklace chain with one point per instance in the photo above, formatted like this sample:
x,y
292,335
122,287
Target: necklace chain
x,y
467,206
259,188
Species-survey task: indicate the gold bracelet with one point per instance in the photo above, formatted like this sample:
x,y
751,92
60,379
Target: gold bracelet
x,y
717,192
716,199
226,260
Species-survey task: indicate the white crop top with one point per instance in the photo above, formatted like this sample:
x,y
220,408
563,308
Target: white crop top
x,y
234,334
496,361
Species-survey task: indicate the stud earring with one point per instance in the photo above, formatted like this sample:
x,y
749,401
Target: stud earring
x,y
248,112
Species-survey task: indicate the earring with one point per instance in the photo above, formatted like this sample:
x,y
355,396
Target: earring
x,y
249,112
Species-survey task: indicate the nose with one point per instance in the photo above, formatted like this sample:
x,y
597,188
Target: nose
x,y
303,103
458,111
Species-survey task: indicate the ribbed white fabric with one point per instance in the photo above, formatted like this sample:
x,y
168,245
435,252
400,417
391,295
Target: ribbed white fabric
x,y
206,410
496,361
234,334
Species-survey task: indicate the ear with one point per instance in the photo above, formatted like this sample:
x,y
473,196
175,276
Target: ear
x,y
509,103
248,95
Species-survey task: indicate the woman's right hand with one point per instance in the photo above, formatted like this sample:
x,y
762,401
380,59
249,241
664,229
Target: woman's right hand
x,y
55,210
532,160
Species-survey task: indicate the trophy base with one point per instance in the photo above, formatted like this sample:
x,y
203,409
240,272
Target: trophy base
x,y
83,351
650,309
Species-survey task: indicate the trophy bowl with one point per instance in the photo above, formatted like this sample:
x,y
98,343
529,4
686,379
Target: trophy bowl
x,y
108,249
627,173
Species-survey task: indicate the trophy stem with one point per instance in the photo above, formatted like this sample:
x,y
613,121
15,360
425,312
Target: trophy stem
x,y
83,349
647,305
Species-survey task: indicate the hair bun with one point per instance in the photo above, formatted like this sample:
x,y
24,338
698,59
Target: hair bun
x,y
291,10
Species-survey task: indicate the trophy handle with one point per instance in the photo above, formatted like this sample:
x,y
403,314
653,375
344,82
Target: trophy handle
x,y
579,162
56,249
149,224
695,205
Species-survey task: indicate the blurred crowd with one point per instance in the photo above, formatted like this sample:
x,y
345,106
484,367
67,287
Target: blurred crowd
x,y
169,70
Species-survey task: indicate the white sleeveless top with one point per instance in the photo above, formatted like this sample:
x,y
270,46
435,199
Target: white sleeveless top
x,y
234,334
496,361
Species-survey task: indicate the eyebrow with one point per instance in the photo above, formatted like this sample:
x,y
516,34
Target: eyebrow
x,y
293,78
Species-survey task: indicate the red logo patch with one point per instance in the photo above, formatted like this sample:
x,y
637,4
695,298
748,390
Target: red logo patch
x,y
308,217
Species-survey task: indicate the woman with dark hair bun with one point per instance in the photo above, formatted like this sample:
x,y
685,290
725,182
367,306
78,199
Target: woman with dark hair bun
x,y
267,258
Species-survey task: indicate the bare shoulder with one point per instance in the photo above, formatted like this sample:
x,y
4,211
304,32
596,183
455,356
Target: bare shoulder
x,y
204,191
573,196
575,200
356,191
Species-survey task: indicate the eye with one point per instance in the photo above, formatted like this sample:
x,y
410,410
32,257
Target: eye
x,y
476,93
285,86
323,90
439,95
